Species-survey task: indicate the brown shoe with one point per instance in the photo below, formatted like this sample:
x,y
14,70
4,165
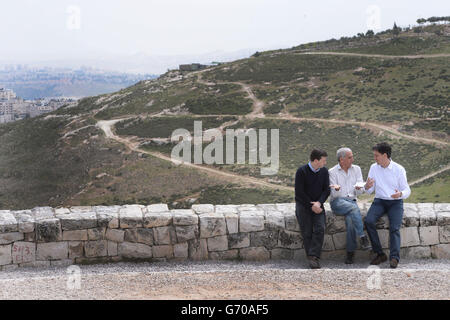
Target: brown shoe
x,y
394,263
381,257
314,262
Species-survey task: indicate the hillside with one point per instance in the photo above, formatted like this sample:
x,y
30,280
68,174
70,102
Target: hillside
x,y
351,92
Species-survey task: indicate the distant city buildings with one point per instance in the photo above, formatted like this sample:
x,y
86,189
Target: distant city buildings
x,y
13,108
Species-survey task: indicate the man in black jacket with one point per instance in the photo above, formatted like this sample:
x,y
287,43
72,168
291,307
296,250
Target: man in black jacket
x,y
312,188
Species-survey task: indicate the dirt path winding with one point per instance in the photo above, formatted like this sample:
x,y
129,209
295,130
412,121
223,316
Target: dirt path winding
x,y
106,125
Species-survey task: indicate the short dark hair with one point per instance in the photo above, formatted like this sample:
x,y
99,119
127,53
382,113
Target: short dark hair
x,y
317,154
382,148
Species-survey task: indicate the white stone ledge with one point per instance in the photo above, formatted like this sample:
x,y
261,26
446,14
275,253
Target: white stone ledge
x,y
45,236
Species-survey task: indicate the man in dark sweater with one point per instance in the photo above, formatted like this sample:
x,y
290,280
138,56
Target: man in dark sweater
x,y
312,188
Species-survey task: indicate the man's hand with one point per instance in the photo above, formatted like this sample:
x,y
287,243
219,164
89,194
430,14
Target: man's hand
x,y
397,194
335,187
369,183
316,207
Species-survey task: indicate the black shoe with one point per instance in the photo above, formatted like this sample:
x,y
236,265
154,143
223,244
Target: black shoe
x,y
365,245
394,263
349,259
314,262
381,257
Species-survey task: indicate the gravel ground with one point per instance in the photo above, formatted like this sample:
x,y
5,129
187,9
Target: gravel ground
x,y
413,279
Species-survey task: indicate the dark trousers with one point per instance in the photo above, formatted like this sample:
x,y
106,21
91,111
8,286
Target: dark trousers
x,y
394,210
312,227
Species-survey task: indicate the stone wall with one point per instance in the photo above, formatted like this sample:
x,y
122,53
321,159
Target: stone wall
x,y
45,236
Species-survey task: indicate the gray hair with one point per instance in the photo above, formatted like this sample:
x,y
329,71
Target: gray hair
x,y
342,152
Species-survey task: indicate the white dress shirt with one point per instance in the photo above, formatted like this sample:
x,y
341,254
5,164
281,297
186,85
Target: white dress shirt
x,y
346,180
387,180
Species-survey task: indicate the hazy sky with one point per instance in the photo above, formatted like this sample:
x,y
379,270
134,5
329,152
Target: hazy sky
x,y
49,29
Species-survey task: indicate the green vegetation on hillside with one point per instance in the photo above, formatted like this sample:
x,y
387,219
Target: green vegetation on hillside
x,y
162,127
435,189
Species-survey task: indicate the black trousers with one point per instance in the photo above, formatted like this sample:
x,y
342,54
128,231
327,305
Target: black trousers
x,y
312,227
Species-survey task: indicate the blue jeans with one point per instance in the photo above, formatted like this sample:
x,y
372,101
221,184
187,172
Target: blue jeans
x,y
394,210
353,221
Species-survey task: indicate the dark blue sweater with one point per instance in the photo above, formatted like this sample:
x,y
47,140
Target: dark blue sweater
x,y
311,186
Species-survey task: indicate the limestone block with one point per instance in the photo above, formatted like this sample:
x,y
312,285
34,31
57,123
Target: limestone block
x,y
25,220
439,207
184,217
98,248
267,239
62,263
42,213
8,222
441,251
61,211
291,222
180,250
5,254
340,240
203,208
212,225
383,235
115,235
134,250
429,235
328,244
427,214
96,233
145,236
164,251
157,219
131,216
185,233
108,216
52,251
219,243
238,240
411,216
267,207
443,218
334,223
75,235
290,239
254,254
415,252
274,220
409,237
232,220
113,249
224,255
78,220
76,249
246,207
198,249
249,222
299,255
10,237
288,208
281,254
444,234
164,235
158,207
227,208
48,230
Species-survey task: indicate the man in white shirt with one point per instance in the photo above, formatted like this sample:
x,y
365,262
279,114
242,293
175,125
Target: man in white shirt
x,y
388,179
346,184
